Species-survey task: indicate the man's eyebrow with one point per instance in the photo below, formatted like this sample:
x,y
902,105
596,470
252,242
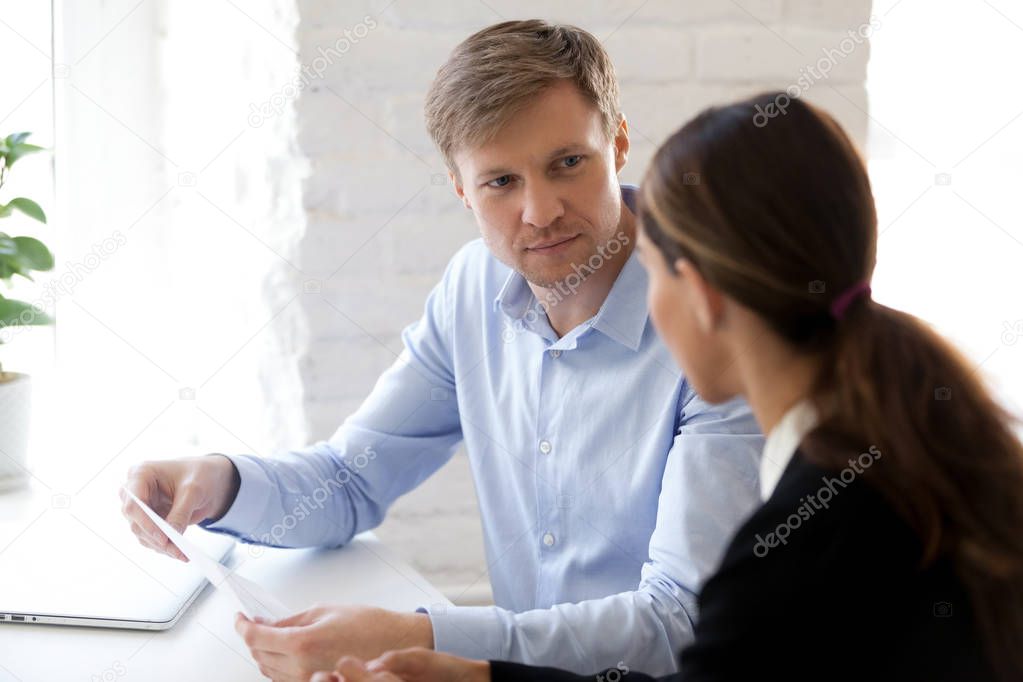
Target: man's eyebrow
x,y
561,151
498,171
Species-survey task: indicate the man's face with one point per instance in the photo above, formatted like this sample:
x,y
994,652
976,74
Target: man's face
x,y
545,190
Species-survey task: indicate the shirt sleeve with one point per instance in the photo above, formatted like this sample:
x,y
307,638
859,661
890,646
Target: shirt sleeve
x,y
406,429
708,488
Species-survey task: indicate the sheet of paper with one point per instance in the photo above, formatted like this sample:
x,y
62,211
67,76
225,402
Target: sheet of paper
x,y
252,599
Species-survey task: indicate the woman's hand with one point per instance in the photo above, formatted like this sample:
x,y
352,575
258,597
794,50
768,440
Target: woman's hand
x,y
408,665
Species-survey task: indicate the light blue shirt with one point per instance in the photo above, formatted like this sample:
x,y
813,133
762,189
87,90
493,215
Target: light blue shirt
x,y
607,488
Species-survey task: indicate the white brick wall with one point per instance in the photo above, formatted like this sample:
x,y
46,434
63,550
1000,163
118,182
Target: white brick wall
x,y
371,199
335,181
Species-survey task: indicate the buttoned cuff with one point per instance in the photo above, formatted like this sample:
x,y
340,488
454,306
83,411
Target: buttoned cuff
x,y
468,631
247,511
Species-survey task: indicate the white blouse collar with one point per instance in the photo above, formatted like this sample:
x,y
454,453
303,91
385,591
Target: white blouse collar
x,y
782,442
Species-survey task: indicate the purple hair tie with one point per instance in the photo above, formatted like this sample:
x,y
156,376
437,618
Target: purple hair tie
x,y
845,299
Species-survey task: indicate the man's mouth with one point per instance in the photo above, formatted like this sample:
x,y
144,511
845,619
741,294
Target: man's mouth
x,y
552,245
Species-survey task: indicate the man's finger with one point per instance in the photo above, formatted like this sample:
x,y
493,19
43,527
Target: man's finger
x,y
278,666
167,548
159,542
294,620
144,539
263,637
184,505
134,513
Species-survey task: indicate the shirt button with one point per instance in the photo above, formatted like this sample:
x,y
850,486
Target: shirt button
x,y
548,539
555,353
545,447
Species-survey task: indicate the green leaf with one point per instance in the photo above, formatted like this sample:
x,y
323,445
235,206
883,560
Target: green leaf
x,y
12,265
11,313
21,255
29,208
34,253
16,138
15,152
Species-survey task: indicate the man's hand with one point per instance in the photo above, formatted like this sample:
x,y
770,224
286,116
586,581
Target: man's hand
x,y
410,665
183,491
293,648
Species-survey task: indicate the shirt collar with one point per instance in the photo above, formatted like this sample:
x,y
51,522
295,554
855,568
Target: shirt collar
x,y
514,296
782,443
623,315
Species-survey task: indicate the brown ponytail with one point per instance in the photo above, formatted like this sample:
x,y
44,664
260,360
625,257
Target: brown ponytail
x,y
777,212
956,468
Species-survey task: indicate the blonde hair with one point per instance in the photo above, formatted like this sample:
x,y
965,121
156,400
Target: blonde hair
x,y
496,72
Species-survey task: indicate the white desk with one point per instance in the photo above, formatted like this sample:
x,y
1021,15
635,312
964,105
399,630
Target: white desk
x,y
203,644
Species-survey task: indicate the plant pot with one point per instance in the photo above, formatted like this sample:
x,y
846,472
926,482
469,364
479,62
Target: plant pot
x,y
15,413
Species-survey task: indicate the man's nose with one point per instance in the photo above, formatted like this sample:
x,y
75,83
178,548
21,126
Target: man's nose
x,y
542,206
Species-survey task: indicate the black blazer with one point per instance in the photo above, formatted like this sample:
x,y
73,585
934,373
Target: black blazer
x,y
821,585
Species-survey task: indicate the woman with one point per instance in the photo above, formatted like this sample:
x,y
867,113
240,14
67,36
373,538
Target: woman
x,y
890,541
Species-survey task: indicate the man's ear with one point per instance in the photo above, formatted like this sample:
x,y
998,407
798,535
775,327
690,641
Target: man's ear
x,y
706,301
459,189
621,142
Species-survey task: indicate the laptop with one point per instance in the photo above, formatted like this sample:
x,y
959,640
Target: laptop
x,y
84,567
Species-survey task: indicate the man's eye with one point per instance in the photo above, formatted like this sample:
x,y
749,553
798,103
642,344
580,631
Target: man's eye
x,y
500,182
572,161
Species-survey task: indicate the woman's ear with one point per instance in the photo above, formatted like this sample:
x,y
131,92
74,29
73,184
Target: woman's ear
x,y
705,301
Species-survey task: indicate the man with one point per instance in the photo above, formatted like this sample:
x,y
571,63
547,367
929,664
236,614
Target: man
x,y
535,349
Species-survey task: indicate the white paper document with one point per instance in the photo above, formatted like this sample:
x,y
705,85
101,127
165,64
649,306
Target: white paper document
x,y
252,599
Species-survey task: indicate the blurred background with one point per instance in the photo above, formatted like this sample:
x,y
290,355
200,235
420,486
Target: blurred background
x,y
246,209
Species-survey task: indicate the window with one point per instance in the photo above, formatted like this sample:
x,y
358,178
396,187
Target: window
x,y
946,140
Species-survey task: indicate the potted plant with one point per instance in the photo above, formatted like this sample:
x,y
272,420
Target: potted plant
x,y
18,256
